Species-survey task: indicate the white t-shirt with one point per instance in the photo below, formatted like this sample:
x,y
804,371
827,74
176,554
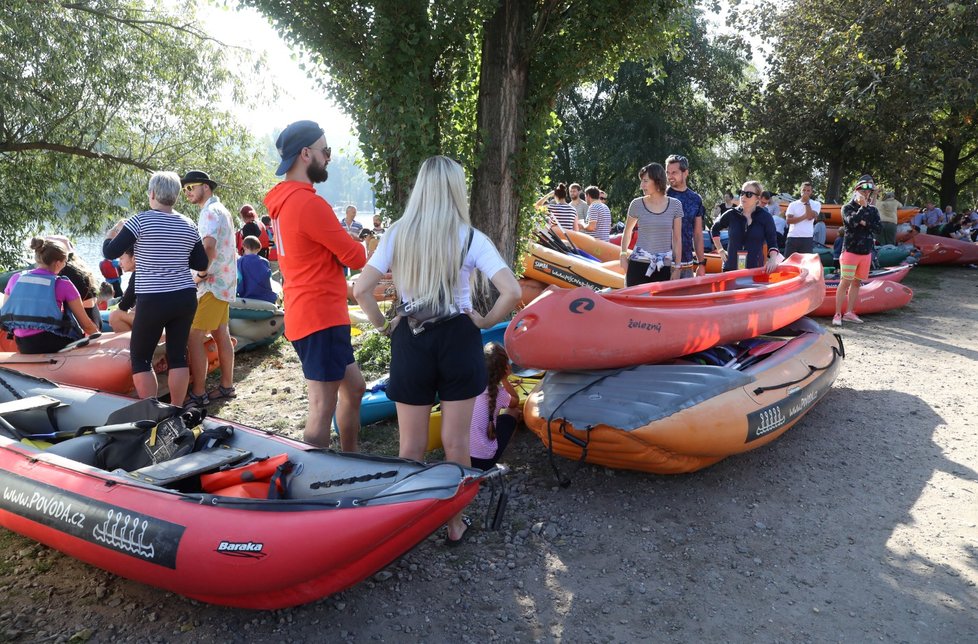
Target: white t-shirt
x,y
805,228
482,255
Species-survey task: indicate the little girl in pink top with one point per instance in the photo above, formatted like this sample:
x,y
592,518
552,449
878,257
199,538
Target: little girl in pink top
x,y
491,430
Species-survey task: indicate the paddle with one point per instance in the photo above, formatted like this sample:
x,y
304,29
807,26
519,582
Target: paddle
x,y
758,352
79,343
749,344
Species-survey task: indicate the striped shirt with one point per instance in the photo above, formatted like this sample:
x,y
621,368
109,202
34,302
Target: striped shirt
x,y
480,446
164,242
601,214
563,213
655,228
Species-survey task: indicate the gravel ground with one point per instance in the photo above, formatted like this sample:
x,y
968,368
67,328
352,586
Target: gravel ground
x,y
859,524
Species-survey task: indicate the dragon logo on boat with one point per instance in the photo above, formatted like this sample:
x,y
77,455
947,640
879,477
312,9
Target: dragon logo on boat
x,y
581,305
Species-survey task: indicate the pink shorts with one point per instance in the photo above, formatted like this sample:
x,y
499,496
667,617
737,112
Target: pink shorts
x,y
854,266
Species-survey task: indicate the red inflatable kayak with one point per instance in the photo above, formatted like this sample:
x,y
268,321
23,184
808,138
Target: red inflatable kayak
x,y
927,243
874,297
343,518
892,274
580,329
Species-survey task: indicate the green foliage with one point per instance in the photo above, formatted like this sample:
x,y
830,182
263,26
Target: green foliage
x,y
403,70
890,88
677,102
114,90
373,354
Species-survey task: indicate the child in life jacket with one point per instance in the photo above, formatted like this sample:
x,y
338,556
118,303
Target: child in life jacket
x,y
496,412
44,311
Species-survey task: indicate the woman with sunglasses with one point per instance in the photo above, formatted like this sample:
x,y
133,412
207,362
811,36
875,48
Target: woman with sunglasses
x,y
659,248
750,226
860,223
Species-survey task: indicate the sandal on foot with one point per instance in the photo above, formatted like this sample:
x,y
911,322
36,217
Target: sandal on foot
x,y
454,543
221,393
196,401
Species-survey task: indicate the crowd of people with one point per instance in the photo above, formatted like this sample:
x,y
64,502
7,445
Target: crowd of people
x,y
185,275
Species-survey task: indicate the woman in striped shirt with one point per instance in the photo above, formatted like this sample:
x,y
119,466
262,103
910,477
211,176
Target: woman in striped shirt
x,y
561,212
167,245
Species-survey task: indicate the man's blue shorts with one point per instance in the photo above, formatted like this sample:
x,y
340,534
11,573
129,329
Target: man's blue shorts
x,y
325,354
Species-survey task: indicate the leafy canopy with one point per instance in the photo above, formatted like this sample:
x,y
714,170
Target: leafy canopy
x,y
111,91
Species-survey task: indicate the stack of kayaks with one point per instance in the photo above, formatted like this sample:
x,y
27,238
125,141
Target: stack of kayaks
x,y
170,525
255,323
100,362
559,260
581,329
833,213
619,393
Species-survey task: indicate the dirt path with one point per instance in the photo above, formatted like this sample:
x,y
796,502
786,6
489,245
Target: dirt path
x,y
859,524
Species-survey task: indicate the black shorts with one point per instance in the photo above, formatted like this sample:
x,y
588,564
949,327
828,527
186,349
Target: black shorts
x,y
445,362
636,273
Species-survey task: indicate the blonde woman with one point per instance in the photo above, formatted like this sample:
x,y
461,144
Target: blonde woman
x,y
750,227
436,346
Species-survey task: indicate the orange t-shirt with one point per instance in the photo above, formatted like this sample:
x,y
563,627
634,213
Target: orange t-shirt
x,y
312,250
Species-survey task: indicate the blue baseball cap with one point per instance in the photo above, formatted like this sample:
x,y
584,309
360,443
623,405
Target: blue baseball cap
x,y
293,138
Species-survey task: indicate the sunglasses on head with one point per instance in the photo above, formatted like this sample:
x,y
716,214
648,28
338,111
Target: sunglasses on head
x,y
748,193
190,186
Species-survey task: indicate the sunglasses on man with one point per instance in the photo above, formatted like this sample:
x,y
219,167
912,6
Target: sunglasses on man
x,y
190,187
865,186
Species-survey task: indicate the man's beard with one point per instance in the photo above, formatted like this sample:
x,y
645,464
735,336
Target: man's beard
x,y
316,174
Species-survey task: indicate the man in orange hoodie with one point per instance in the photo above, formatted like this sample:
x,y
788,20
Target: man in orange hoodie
x,y
312,250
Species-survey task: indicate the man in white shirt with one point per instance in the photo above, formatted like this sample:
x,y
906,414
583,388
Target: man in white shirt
x,y
801,216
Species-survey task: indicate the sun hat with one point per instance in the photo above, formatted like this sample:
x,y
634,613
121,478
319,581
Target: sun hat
x,y
196,176
293,138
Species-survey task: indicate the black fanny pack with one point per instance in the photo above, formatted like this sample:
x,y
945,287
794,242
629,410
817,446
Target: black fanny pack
x,y
423,316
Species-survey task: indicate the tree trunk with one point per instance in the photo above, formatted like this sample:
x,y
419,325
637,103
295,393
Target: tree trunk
x,y
834,189
501,118
951,153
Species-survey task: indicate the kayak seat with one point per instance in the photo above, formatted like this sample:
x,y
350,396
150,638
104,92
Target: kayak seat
x,y
17,430
84,449
189,465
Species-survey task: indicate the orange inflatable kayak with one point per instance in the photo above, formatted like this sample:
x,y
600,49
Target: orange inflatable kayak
x,y
551,267
874,297
102,363
579,329
681,417
604,251
530,290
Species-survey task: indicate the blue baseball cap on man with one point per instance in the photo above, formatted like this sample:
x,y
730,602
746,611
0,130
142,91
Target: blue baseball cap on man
x,y
293,138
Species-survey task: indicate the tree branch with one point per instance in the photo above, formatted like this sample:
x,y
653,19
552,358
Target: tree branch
x,y
141,25
74,151
962,184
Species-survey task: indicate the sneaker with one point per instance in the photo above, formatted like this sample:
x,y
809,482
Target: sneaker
x,y
837,320
852,317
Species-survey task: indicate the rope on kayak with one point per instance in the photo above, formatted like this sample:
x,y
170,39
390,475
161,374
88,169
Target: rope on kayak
x,y
363,478
836,354
583,444
9,387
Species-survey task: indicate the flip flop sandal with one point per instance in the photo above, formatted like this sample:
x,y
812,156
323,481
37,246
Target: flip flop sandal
x,y
221,393
454,543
